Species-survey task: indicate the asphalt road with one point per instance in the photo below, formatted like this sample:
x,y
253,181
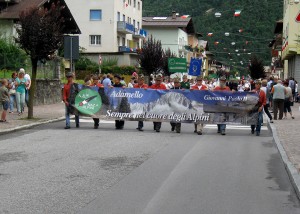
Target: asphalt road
x,y
51,170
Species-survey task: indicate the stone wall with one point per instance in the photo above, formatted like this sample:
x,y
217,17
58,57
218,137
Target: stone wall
x,y
48,92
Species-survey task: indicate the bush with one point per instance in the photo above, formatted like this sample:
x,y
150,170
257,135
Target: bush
x,y
11,56
83,63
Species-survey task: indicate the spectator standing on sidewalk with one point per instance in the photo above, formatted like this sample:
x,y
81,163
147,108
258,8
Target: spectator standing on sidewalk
x,y
296,92
141,84
68,89
27,77
158,86
12,91
264,88
199,86
287,101
222,87
4,99
292,85
261,103
21,84
278,92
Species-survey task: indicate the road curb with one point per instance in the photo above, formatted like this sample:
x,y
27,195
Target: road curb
x,y
30,125
290,168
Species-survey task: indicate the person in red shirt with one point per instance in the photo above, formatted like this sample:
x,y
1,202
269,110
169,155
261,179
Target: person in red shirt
x,y
261,103
158,86
96,82
222,87
66,98
141,84
199,86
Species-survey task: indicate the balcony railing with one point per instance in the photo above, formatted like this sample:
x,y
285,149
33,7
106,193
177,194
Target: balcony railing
x,y
124,27
126,49
140,33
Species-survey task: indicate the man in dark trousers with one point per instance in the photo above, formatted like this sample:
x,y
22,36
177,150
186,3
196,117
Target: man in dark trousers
x,y
158,86
176,126
140,84
117,84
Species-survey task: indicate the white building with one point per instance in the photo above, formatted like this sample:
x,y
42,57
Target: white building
x,y
110,28
173,32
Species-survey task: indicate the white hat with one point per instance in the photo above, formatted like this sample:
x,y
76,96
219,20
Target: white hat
x,y
22,71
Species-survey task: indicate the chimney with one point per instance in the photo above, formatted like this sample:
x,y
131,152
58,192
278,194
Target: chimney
x,y
174,15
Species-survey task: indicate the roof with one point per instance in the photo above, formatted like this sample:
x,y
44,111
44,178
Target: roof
x,y
13,10
178,22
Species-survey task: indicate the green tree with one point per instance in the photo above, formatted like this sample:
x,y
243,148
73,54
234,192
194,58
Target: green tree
x,y
256,68
151,56
40,35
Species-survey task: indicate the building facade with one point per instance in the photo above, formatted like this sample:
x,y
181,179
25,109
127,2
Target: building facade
x,y
176,33
110,28
290,38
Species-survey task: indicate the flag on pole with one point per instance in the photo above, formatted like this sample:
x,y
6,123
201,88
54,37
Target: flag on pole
x,y
237,13
125,4
195,67
100,59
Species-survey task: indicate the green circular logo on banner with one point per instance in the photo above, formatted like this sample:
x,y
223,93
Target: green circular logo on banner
x,y
88,101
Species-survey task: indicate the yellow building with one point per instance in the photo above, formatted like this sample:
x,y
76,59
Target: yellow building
x,y
291,38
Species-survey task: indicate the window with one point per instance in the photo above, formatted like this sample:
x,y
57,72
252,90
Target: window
x,y
124,18
128,20
134,3
138,25
134,23
95,39
123,41
139,5
118,16
96,15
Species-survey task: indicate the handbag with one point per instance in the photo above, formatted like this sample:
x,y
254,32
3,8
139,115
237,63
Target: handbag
x,y
12,91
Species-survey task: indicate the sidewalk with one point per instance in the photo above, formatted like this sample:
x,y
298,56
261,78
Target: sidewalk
x,y
42,114
286,133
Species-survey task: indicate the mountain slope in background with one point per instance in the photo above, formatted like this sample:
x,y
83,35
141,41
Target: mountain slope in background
x,y
256,21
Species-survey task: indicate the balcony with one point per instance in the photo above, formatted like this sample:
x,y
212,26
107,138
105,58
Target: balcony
x,y
124,27
125,49
140,33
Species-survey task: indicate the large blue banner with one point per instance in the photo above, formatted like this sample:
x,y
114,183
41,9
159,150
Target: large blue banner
x,y
188,106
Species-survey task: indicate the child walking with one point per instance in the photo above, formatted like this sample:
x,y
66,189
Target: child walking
x,y
4,99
